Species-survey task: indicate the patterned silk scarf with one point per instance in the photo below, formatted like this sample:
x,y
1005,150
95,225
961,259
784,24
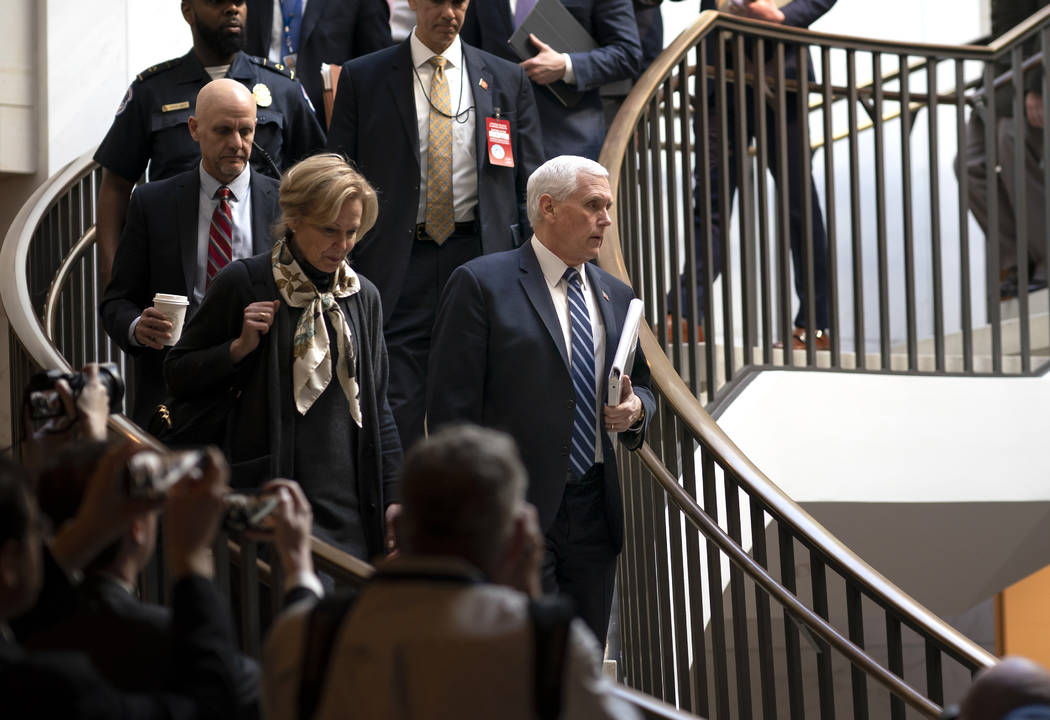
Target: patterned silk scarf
x,y
311,348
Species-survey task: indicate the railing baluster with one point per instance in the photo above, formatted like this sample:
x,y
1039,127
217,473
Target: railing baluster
x,y
992,257
763,620
792,649
853,100
895,664
855,621
725,204
830,214
249,574
679,581
746,203
933,126
762,147
825,681
701,695
703,197
880,212
738,600
689,309
719,654
966,309
783,212
1020,185
909,229
934,675
808,201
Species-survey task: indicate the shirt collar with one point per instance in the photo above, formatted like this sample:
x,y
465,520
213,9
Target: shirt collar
x,y
239,186
421,53
553,267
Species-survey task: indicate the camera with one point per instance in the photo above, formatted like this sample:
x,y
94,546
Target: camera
x,y
248,511
150,474
44,401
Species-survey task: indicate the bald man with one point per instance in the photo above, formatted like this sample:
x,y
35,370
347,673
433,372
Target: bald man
x,y
182,230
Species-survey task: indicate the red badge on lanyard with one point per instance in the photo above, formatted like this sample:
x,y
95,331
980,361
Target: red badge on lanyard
x,y
498,132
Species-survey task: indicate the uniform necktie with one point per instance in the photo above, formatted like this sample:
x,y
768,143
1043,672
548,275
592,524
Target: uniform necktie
x,y
585,419
220,245
522,10
440,222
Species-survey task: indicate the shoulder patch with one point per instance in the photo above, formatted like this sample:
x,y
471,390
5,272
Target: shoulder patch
x,y
161,67
273,67
127,98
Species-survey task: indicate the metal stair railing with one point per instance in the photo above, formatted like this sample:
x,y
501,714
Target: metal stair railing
x,y
734,602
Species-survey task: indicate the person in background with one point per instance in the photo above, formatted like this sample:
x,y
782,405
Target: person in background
x,y
447,629
449,135
302,34
182,230
1005,15
298,334
580,129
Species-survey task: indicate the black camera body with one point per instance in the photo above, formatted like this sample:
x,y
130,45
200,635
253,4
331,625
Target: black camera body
x,y
45,403
249,511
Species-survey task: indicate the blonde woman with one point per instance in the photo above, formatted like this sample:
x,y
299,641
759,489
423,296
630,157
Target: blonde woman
x,y
295,336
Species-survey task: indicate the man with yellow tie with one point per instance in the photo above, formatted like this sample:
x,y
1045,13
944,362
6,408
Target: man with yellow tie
x,y
448,135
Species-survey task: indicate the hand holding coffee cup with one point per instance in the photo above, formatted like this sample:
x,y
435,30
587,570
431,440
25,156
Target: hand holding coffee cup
x,y
172,309
153,329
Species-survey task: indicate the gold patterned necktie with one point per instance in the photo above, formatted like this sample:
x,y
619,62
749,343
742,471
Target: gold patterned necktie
x,y
440,222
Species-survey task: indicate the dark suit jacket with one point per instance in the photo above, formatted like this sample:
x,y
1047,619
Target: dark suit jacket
x,y
158,253
332,31
498,359
579,130
374,124
66,684
262,423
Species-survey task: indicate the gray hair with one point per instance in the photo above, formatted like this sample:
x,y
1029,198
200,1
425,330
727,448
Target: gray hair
x,y
558,177
460,490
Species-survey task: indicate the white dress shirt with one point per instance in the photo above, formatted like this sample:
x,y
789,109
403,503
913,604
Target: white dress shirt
x,y
553,268
240,207
464,151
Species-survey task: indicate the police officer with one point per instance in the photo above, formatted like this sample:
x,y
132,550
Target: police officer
x,y
151,122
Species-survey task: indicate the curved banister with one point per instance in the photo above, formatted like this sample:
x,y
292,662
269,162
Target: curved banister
x,y
680,401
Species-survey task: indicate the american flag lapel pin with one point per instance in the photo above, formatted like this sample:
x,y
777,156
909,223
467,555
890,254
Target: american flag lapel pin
x,y
484,85
605,296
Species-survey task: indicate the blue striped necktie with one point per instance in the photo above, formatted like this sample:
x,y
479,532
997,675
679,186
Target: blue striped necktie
x,y
585,419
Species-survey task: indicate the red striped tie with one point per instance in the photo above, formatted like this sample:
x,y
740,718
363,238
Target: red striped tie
x,y
220,249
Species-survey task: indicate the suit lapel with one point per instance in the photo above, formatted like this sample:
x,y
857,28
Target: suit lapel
x,y
187,211
262,201
535,286
605,306
403,93
481,86
314,8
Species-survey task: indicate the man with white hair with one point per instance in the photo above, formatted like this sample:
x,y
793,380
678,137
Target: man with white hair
x,y
523,342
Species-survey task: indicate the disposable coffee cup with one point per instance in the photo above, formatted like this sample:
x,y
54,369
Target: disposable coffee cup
x,y
172,307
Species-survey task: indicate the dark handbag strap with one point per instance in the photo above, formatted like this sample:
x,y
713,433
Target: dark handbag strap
x,y
551,616
322,625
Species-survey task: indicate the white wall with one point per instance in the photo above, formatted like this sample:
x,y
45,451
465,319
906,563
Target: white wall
x,y
93,51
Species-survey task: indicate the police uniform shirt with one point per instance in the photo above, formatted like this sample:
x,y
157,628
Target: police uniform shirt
x,y
151,122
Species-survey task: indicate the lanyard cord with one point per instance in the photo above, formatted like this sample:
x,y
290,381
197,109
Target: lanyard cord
x,y
459,101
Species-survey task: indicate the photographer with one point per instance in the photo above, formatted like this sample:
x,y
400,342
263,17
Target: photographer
x,y
36,577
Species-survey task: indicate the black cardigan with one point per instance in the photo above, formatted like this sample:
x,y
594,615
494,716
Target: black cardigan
x,y
264,414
